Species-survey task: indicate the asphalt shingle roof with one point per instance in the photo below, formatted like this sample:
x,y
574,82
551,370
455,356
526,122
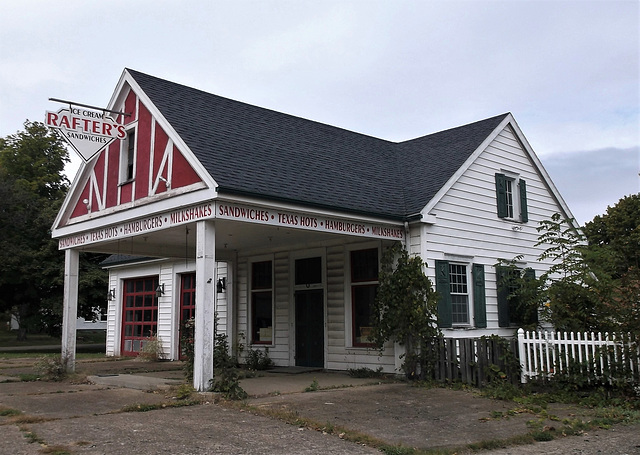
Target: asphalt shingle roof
x,y
256,151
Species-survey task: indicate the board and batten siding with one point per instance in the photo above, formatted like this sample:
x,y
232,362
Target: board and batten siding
x,y
467,225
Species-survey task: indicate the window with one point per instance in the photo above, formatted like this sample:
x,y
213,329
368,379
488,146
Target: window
x,y
128,156
364,287
513,310
459,293
460,286
262,302
140,313
511,195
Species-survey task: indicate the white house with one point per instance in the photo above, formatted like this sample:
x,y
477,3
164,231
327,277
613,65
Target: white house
x,y
277,224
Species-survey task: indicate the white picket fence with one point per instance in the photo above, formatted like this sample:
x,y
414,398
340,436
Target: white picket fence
x,y
594,356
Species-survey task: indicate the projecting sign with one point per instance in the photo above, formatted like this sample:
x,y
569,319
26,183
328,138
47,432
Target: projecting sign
x,y
87,131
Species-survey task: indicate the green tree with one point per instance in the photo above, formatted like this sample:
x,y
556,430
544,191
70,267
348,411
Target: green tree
x,y
32,188
573,288
405,309
614,247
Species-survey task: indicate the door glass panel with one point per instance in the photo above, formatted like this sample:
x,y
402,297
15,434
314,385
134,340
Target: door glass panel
x,y
308,271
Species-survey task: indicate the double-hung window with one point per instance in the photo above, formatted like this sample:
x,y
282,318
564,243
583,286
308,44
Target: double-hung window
x,y
262,302
461,291
364,287
511,197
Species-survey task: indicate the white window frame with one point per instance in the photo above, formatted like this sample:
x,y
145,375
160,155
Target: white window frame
x,y
469,285
514,210
124,154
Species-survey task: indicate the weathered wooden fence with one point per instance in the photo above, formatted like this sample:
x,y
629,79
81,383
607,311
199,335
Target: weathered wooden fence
x,y
591,356
474,360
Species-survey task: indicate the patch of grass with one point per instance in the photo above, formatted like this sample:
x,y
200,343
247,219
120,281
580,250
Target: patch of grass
x,y
29,377
365,372
56,450
32,437
184,391
146,407
493,444
542,436
313,387
9,412
26,418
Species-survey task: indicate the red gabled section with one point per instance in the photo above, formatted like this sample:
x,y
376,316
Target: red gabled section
x,y
160,167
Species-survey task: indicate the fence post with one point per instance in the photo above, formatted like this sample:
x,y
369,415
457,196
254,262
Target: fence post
x,y
522,352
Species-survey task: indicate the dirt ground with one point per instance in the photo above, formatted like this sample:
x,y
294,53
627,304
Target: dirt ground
x,y
84,418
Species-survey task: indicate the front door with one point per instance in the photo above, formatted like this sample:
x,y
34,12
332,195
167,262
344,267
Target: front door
x,y
310,328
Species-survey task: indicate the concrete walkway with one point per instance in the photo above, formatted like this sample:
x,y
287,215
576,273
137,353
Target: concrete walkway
x,y
278,381
83,417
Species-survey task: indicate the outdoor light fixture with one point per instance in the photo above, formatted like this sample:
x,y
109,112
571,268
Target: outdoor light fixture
x,y
160,290
111,295
221,285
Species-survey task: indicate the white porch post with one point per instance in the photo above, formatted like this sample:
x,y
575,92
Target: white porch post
x,y
205,304
70,308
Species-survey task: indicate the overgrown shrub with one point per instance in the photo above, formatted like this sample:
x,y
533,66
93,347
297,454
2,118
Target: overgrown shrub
x,y
151,350
227,383
258,359
186,347
52,368
365,372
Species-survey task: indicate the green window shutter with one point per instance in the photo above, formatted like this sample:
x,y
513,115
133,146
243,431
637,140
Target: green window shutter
x,y
479,297
445,317
524,211
503,296
532,316
501,195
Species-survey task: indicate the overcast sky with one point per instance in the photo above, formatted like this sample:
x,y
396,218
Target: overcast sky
x,y
567,70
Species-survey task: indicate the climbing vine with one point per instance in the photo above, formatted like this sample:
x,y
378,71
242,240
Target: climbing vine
x,y
405,309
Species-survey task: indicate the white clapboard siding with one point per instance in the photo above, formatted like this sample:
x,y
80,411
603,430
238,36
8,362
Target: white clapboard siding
x,y
164,327
221,298
279,352
242,337
112,310
467,224
335,298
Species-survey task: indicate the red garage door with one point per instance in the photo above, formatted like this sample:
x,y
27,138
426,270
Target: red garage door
x,y
140,313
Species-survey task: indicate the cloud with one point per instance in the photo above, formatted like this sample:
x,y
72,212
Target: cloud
x,y
590,181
